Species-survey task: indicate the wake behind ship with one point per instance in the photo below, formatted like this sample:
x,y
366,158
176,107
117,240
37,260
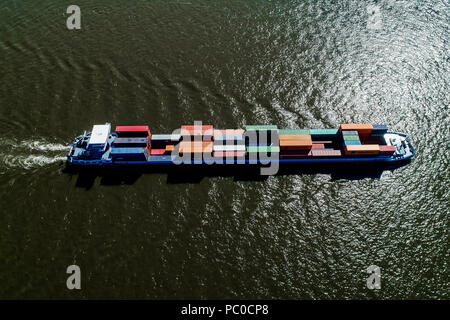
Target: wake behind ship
x,y
131,146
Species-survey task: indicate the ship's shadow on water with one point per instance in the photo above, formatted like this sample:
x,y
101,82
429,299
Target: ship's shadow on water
x,y
178,175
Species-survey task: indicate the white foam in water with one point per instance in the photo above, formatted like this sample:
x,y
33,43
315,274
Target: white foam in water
x,y
34,161
30,161
38,145
25,154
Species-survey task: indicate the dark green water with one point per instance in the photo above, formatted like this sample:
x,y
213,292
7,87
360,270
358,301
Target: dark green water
x,y
296,64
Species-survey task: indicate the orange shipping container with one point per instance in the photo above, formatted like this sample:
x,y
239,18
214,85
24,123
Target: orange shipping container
x,y
196,146
318,146
360,127
364,149
197,130
306,137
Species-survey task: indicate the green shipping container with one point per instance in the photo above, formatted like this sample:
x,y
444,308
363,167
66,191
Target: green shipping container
x,y
293,131
261,128
351,138
324,132
263,149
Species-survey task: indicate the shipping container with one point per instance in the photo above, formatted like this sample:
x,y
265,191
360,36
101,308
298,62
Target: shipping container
x,y
159,141
160,159
303,137
166,138
196,147
351,142
379,128
323,132
218,140
139,154
349,133
261,128
228,132
274,149
130,142
169,148
133,131
293,131
326,153
203,130
318,146
157,152
351,138
387,150
360,127
364,149
295,142
229,154
239,147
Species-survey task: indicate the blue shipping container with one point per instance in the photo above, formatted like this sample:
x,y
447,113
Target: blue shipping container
x,y
130,142
139,154
349,132
379,129
351,142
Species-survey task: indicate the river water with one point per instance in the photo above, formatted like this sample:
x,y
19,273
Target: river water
x,y
296,64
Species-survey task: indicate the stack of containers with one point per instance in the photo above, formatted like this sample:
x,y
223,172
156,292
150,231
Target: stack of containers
x,y
269,147
295,143
263,130
229,143
357,148
363,129
350,137
163,144
132,143
196,139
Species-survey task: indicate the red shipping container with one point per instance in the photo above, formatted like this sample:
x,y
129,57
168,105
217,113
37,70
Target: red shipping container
x,y
133,131
387,150
157,152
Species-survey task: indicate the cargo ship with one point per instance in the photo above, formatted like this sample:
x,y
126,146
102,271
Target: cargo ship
x,y
132,146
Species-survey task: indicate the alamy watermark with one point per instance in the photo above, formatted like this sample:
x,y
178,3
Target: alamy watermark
x,y
197,147
74,20
374,20
374,280
74,280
